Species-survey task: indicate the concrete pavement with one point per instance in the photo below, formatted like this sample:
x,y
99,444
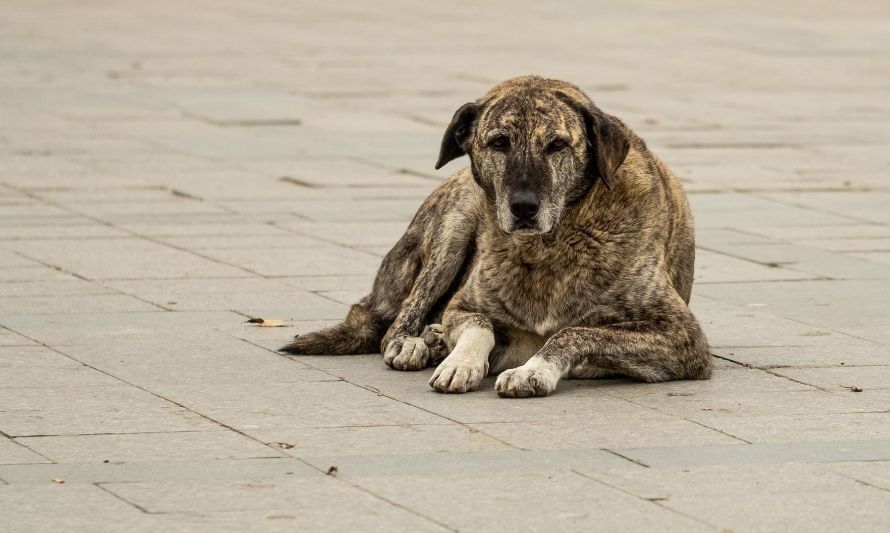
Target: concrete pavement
x,y
169,169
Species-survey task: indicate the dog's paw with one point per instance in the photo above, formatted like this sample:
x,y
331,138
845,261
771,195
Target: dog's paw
x,y
406,353
434,337
457,377
525,381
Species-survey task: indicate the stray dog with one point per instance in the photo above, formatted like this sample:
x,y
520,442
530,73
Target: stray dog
x,y
565,250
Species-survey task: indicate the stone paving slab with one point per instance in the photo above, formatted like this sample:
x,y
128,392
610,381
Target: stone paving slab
x,y
572,501
168,171
801,497
835,451
15,453
160,446
78,507
303,503
90,409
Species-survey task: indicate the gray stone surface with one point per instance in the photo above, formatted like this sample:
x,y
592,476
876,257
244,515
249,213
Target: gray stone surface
x,y
792,496
168,170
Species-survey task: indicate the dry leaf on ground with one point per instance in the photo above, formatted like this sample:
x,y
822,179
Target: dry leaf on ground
x,y
267,323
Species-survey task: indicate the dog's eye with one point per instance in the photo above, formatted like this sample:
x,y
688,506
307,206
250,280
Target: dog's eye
x,y
556,145
499,143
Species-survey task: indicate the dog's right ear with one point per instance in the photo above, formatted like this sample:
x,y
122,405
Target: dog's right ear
x,y
457,134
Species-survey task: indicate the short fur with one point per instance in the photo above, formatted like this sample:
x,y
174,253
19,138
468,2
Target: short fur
x,y
596,282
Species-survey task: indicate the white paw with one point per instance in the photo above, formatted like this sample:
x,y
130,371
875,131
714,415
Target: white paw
x,y
457,376
525,381
406,353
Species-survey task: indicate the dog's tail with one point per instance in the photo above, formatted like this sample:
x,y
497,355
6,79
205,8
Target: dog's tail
x,y
361,332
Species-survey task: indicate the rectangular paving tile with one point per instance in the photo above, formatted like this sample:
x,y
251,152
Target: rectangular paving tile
x,y
836,352
203,360
738,318
171,205
707,408
562,500
810,261
10,259
90,409
61,285
169,446
14,275
478,464
380,439
357,283
9,338
123,259
780,215
714,267
842,378
810,427
41,367
643,429
14,453
875,474
252,297
849,244
760,497
306,502
868,206
70,304
327,261
90,329
831,304
193,470
263,239
275,405
54,506
351,233
797,452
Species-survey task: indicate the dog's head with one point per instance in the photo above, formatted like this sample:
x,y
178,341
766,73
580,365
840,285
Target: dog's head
x,y
535,146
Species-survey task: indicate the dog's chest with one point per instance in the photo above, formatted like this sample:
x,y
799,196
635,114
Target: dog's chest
x,y
540,290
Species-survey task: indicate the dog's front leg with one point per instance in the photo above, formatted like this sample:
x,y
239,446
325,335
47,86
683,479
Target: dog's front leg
x,y
472,338
676,349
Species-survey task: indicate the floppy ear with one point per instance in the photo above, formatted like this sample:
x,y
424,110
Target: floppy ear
x,y
457,133
607,143
609,147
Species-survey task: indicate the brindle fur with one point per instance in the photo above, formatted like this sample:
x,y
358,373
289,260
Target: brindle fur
x,y
596,283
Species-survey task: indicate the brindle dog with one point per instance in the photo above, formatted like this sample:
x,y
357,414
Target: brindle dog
x,y
566,249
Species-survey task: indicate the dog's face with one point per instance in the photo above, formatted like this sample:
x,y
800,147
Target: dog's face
x,y
535,146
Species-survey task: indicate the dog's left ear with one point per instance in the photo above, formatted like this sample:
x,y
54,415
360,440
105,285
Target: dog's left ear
x,y
457,133
606,142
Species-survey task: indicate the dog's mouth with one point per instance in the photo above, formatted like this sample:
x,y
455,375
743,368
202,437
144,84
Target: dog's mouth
x,y
526,232
538,224
525,228
523,225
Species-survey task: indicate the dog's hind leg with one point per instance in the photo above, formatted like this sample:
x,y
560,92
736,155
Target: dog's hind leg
x,y
368,320
419,270
403,346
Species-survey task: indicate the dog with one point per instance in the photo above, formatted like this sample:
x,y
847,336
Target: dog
x,y
566,249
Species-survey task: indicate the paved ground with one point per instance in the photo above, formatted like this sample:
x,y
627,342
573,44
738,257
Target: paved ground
x,y
168,169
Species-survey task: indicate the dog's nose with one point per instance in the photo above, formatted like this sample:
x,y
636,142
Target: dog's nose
x,y
524,205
